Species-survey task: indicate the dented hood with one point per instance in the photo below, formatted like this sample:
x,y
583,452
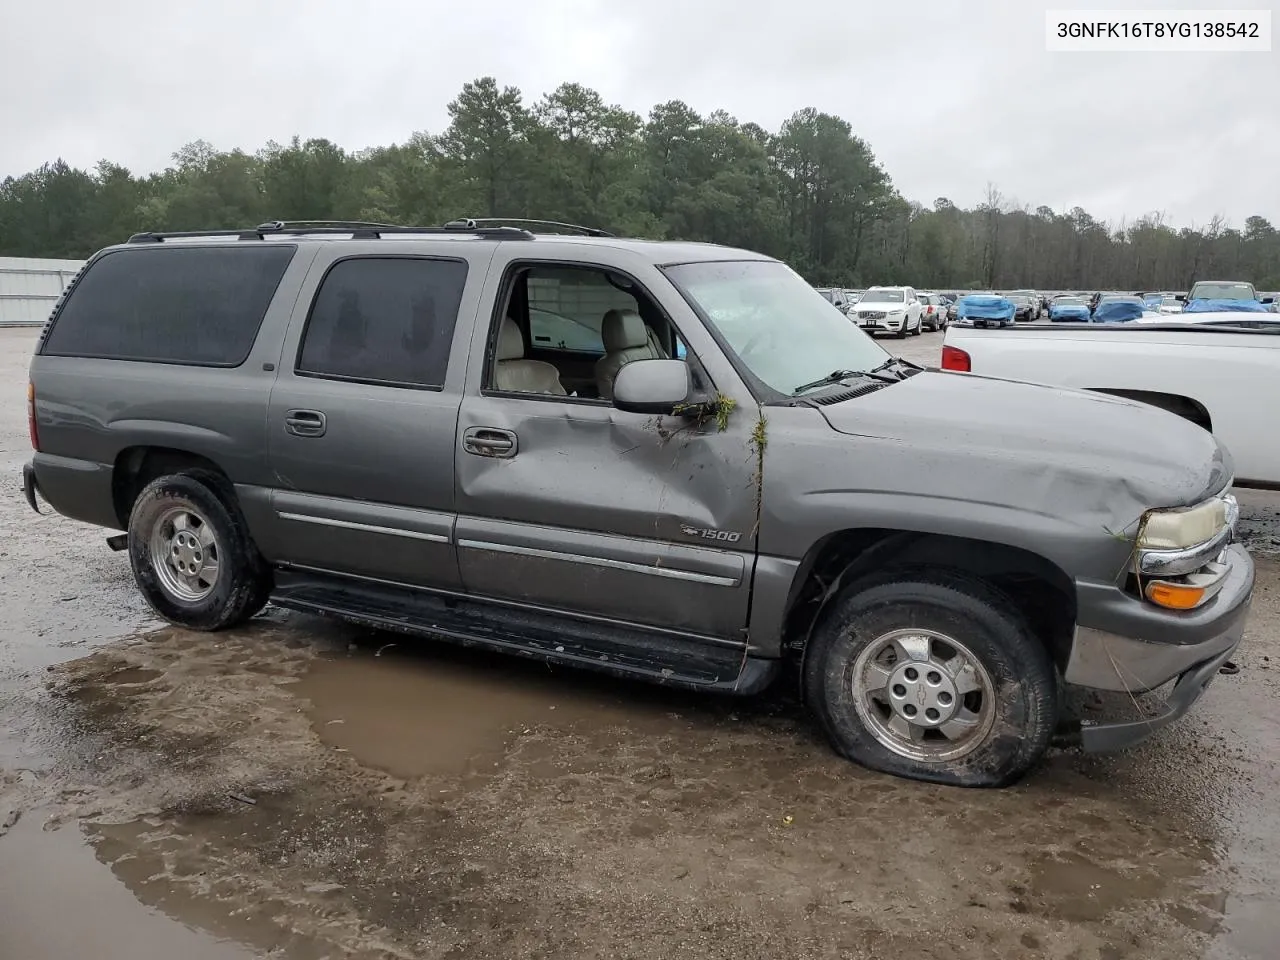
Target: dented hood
x,y
1047,448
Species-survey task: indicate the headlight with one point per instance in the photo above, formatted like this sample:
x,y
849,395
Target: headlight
x,y
1185,527
1178,560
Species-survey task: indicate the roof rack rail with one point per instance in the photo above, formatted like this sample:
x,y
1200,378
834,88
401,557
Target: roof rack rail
x,y
357,229
575,227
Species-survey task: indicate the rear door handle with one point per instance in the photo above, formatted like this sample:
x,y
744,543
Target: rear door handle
x,y
305,423
489,442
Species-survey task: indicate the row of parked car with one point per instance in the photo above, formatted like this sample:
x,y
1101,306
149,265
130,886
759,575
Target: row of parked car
x,y
902,311
1118,307
905,311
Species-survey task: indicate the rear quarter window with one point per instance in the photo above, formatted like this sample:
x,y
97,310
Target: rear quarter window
x,y
198,306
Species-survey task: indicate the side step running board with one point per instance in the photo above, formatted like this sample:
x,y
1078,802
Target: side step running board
x,y
621,651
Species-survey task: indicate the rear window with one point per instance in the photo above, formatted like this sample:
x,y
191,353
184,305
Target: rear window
x,y
198,306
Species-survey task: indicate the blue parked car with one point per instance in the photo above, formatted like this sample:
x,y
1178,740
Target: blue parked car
x,y
1119,309
985,309
1069,310
1224,306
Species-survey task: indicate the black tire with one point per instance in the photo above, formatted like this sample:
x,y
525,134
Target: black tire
x,y
1025,705
902,334
243,580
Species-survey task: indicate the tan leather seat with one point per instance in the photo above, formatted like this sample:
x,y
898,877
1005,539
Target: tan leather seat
x,y
513,372
626,338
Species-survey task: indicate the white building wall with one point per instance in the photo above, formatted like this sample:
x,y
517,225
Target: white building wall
x,y
29,288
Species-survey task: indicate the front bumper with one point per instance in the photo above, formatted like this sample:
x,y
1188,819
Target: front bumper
x,y
886,324
1135,647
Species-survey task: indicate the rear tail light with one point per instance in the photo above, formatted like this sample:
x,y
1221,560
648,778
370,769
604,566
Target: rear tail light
x,y
32,430
953,358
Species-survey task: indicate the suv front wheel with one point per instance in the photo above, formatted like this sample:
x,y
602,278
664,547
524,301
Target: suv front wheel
x,y
934,676
191,553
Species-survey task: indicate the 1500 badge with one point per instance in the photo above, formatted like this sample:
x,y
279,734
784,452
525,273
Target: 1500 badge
x,y
707,533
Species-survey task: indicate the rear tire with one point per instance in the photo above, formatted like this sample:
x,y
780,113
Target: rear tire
x,y
961,654
191,553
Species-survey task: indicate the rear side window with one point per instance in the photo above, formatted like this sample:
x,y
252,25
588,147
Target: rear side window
x,y
199,306
384,320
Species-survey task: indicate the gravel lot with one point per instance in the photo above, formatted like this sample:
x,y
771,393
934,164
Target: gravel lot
x,y
305,790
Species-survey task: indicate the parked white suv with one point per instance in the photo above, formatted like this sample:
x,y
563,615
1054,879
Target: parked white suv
x,y
888,309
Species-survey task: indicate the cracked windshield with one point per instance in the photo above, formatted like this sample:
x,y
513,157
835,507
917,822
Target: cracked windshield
x,y
667,481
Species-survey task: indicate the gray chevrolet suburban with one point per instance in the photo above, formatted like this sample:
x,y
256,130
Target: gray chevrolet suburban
x,y
664,460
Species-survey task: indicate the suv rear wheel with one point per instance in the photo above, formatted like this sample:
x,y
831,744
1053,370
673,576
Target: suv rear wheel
x,y
934,676
191,553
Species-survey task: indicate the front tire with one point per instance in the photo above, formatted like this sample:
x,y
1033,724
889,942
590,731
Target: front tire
x,y
191,553
933,676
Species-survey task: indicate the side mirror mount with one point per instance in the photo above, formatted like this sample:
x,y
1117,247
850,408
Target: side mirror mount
x,y
652,386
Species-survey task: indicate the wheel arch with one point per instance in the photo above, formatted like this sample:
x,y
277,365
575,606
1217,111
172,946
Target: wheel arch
x,y
136,466
1042,592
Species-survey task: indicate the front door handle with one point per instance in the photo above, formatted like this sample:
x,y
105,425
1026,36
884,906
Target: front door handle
x,y
489,442
305,423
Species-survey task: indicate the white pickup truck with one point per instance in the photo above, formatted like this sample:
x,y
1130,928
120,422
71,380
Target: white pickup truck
x,y
1221,370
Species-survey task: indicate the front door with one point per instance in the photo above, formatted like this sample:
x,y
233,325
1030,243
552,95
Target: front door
x,y
566,503
362,420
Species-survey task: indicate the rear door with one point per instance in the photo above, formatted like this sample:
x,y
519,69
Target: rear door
x,y
364,411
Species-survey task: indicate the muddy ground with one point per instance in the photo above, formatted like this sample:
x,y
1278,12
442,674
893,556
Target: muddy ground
x,y
305,790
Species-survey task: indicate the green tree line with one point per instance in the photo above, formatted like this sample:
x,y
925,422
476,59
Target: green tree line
x,y
812,194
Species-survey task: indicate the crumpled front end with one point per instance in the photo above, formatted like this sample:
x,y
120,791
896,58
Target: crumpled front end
x,y
1145,650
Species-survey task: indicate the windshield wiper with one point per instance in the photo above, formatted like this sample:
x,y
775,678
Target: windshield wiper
x,y
836,376
896,361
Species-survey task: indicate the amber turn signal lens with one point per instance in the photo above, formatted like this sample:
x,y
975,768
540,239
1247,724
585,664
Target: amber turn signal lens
x,y
1175,596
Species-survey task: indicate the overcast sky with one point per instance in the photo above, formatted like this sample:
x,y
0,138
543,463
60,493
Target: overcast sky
x,y
950,94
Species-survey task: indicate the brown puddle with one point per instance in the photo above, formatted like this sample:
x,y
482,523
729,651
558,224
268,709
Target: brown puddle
x,y
130,677
57,901
412,716
1072,886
